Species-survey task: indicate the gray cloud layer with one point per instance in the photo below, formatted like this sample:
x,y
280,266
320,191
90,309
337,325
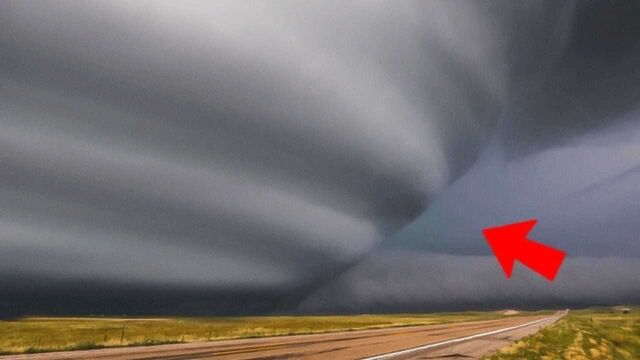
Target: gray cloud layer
x,y
585,196
420,281
269,146
237,130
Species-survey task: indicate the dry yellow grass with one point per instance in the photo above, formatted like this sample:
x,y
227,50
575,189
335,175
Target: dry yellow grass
x,y
39,334
582,335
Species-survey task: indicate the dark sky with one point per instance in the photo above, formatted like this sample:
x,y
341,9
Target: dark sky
x,y
236,157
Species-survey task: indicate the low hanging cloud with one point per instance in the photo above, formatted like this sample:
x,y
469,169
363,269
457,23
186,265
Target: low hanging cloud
x,y
266,148
423,281
585,197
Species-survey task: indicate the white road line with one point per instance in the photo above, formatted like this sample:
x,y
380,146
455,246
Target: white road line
x,y
452,341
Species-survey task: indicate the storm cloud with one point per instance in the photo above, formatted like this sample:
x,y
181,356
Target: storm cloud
x,y
423,281
233,150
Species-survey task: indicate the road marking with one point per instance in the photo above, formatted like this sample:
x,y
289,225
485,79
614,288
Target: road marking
x,y
429,346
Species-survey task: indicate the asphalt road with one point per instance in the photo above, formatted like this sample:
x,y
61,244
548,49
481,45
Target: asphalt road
x,y
446,341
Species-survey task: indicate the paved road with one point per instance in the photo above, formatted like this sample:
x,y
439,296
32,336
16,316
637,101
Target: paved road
x,y
448,341
473,346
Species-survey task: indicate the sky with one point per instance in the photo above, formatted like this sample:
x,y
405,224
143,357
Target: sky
x,y
314,157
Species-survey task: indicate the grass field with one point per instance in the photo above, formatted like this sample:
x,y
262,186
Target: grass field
x,y
582,335
40,334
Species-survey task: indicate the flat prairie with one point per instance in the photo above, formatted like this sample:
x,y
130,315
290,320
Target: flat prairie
x,y
590,334
47,333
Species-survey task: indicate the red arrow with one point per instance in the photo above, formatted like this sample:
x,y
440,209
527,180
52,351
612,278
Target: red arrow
x,y
509,242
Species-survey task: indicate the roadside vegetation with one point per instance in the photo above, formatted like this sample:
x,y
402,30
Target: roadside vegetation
x,y
591,334
43,334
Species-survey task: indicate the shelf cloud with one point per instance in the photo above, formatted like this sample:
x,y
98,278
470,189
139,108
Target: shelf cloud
x,y
230,150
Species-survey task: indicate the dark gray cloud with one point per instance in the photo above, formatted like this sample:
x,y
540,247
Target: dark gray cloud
x,y
423,281
231,130
584,193
264,148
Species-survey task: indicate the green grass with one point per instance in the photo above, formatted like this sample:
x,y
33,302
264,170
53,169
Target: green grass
x,y
42,334
582,335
